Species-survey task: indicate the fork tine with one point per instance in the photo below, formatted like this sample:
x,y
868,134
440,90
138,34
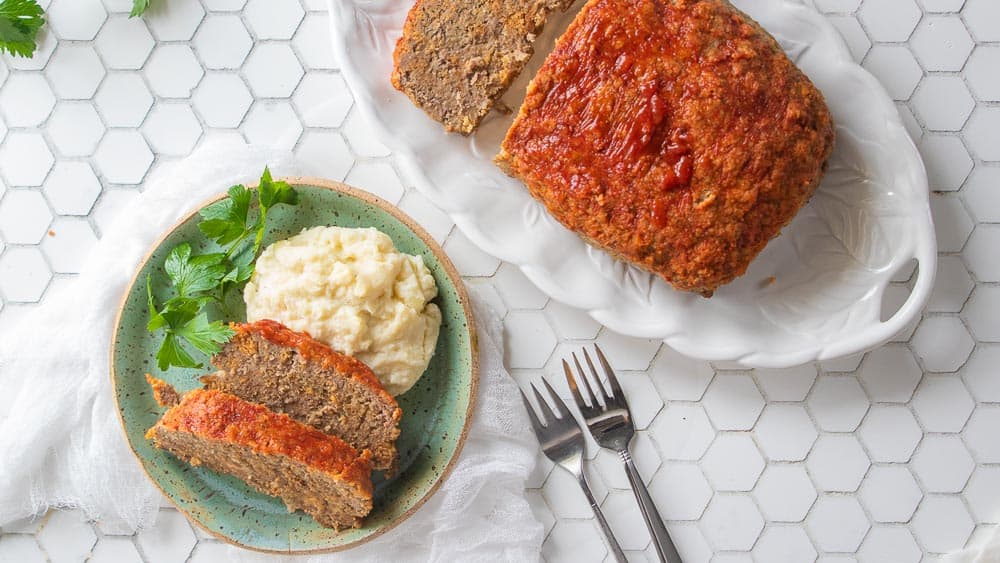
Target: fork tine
x,y
535,423
586,382
543,406
571,381
616,389
597,378
556,401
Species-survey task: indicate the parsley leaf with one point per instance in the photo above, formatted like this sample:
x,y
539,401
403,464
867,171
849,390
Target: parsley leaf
x,y
193,275
226,220
203,335
138,8
271,192
171,353
20,21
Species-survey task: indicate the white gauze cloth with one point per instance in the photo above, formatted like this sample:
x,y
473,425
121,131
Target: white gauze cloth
x,y
61,444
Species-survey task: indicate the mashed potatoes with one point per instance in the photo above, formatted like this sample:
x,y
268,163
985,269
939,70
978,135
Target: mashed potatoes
x,y
351,289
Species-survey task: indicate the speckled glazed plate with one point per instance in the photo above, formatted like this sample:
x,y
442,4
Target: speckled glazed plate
x,y
819,291
436,410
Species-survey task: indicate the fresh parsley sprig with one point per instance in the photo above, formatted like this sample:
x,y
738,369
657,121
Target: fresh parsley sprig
x,y
199,280
20,21
138,8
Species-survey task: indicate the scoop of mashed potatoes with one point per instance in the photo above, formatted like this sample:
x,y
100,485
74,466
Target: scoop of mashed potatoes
x,y
351,289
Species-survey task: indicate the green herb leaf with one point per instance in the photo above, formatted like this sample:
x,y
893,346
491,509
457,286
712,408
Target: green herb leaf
x,y
138,8
226,221
205,336
20,21
191,275
271,193
171,353
156,319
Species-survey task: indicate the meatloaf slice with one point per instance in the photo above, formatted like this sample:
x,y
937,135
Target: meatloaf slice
x,y
292,373
674,134
309,470
457,57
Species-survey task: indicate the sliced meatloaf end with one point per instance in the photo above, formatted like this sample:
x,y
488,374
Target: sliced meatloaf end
x,y
309,470
456,58
292,373
164,394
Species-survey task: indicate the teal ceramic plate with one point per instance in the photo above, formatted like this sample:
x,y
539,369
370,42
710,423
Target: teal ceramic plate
x,y
436,410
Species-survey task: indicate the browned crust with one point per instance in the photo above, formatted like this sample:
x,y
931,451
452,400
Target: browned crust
x,y
164,393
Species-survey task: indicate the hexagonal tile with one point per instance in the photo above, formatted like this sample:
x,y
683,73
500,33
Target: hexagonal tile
x,y
733,402
222,42
847,363
942,524
951,222
838,403
942,404
75,71
837,6
890,493
948,163
540,509
575,324
564,497
785,432
980,16
643,400
273,71
941,43
75,128
361,138
225,5
323,100
21,548
785,493
273,21
678,377
943,464
682,431
626,352
791,384
890,20
272,123
517,290
173,71
980,434
68,244
222,100
115,550
171,539
71,188
209,552
944,103
732,522
981,73
784,544
982,193
528,338
980,253
67,537
123,157
913,127
45,46
854,35
892,299
644,455
982,492
837,463
680,492
24,217
895,68
952,286
890,374
312,42
76,19
980,373
172,129
979,133
378,178
893,543
942,343
468,258
26,100
837,524
890,433
626,521
124,43
25,159
575,541
123,100
176,20
325,154
23,275
732,462
113,201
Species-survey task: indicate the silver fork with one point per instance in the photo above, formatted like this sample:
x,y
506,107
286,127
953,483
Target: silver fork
x,y
610,422
562,441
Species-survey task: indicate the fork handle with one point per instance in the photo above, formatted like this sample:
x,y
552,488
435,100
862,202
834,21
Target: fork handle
x,y
665,549
616,549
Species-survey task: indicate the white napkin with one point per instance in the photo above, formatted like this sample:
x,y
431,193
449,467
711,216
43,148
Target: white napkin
x,y
61,444
985,550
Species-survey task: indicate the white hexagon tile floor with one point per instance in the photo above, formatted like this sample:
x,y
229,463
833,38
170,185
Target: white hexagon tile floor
x,y
888,456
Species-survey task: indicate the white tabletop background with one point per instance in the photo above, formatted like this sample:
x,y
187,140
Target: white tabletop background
x,y
890,456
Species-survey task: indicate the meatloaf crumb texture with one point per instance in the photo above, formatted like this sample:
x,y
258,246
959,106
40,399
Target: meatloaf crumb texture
x,y
164,394
457,57
292,373
675,134
307,469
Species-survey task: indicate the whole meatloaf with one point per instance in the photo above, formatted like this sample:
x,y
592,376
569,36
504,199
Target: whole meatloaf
x,y
457,57
674,134
309,470
291,373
